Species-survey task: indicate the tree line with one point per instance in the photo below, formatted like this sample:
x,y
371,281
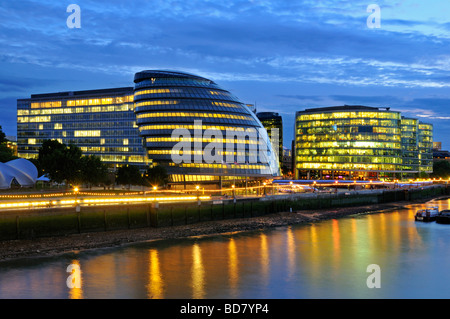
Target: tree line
x,y
6,154
63,163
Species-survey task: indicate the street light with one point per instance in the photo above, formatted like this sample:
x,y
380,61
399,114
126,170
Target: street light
x,y
198,194
75,190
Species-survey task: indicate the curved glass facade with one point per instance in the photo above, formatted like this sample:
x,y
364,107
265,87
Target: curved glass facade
x,y
174,107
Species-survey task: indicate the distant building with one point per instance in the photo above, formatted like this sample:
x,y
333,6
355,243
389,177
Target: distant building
x,y
272,122
360,142
437,146
441,155
287,160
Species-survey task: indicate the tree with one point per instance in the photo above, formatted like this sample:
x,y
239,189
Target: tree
x,y
129,175
156,176
441,169
2,136
423,175
6,154
93,171
61,162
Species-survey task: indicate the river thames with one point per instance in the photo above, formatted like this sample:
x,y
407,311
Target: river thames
x,y
327,260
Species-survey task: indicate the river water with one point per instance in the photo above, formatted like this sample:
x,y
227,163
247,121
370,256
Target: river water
x,y
326,259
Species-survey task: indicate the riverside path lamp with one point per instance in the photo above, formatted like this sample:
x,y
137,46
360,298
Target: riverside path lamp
x,y
76,190
198,194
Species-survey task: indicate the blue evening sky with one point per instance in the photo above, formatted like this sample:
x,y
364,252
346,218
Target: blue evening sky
x,y
283,55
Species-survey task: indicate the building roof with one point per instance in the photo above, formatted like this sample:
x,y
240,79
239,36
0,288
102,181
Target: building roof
x,y
342,108
267,115
142,75
441,154
85,92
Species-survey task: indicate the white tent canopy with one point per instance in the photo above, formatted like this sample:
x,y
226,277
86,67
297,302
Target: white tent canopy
x,y
20,171
43,178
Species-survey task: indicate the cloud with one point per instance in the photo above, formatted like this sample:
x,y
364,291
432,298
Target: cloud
x,y
281,53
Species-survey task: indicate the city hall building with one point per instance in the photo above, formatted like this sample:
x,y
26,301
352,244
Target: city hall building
x,y
360,142
135,126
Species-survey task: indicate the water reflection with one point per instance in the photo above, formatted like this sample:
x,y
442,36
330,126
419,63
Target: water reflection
x,y
155,281
327,259
291,253
264,259
198,273
233,268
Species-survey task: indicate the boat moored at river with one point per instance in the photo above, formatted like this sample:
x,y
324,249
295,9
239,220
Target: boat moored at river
x,y
427,215
443,217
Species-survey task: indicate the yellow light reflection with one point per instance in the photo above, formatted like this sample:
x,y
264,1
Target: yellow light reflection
x,y
155,281
233,271
336,239
264,258
290,251
198,273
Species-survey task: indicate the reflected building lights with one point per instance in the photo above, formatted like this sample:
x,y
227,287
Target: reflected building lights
x,y
265,261
233,269
290,243
155,282
336,239
198,273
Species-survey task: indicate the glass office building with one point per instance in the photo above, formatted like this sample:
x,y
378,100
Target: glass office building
x,y
410,147
426,147
273,123
100,122
175,107
359,142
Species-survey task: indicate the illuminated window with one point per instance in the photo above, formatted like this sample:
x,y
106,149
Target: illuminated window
x,y
87,133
